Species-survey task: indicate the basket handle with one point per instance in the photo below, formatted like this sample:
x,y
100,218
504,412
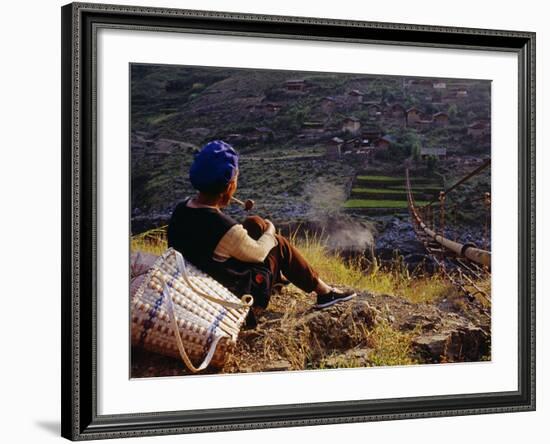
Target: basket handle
x,y
179,342
246,300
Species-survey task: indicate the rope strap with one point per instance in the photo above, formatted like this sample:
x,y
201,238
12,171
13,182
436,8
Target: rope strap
x,y
184,356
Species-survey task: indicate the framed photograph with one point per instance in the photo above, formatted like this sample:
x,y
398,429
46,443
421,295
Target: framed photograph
x,y
275,221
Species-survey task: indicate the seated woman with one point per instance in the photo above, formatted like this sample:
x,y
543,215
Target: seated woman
x,y
225,249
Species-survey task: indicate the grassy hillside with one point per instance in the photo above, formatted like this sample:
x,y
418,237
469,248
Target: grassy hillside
x,y
176,109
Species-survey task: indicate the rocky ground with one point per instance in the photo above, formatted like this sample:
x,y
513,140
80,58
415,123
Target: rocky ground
x,y
395,232
370,330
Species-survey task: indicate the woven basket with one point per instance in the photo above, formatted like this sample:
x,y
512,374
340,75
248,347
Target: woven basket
x,y
179,311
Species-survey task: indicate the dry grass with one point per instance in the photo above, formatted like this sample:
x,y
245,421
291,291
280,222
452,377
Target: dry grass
x,y
362,275
152,241
358,273
333,268
283,341
288,335
391,346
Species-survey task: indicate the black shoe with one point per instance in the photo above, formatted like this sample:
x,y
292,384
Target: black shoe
x,y
333,297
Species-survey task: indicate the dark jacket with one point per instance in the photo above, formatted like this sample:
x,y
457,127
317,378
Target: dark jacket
x,y
195,233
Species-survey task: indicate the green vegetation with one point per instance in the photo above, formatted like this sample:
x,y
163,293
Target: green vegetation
x,y
424,187
395,279
378,191
381,178
383,192
391,346
379,203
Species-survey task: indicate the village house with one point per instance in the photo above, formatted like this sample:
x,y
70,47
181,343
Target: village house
x,y
479,129
418,84
374,109
251,104
441,119
438,153
397,111
383,143
413,115
350,144
351,125
266,108
334,148
272,108
355,96
295,85
370,134
328,104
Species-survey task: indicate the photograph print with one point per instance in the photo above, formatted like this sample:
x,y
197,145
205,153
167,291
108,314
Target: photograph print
x,y
289,220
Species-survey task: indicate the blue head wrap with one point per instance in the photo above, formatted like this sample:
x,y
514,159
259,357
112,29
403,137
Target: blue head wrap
x,y
214,167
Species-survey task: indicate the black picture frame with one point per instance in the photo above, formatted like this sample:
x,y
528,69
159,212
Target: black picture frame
x,y
79,169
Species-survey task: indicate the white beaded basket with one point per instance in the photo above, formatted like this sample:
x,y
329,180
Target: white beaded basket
x,y
182,312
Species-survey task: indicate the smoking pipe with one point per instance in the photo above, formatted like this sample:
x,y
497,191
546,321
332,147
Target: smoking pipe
x,y
248,204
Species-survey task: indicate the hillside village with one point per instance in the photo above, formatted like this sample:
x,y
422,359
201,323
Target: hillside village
x,y
308,141
369,129
324,156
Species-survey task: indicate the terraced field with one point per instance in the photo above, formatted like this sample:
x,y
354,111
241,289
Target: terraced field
x,y
378,194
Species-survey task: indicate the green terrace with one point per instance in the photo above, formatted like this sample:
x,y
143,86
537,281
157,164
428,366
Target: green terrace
x,y
426,188
387,194
380,194
389,181
379,203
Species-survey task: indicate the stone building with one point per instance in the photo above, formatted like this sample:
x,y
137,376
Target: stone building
x,y
351,125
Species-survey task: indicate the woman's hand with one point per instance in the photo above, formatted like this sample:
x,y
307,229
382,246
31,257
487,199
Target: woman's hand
x,y
270,227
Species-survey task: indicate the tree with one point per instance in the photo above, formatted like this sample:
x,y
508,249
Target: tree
x,y
453,112
415,151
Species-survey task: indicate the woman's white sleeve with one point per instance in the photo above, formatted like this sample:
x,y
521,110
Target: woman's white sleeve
x,y
238,244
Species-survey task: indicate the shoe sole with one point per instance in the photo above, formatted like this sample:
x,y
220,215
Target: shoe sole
x,y
328,304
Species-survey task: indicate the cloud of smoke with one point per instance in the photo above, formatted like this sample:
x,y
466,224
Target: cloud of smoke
x,y
343,232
